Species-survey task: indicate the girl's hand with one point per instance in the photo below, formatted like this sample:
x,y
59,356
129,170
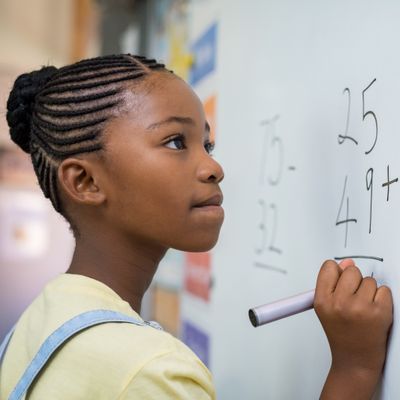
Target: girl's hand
x,y
356,316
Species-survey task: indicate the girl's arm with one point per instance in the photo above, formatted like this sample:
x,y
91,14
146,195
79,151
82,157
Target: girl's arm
x,y
356,317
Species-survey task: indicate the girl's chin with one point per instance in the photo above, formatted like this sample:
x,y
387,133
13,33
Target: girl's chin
x,y
198,246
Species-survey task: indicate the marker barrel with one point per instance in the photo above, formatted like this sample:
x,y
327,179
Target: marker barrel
x,y
282,308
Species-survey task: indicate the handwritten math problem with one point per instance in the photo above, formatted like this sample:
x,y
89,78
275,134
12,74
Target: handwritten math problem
x,y
272,168
367,145
269,249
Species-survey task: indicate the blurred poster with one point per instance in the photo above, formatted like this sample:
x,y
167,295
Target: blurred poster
x,y
210,111
197,275
23,229
16,168
204,51
35,247
171,37
35,244
197,340
169,274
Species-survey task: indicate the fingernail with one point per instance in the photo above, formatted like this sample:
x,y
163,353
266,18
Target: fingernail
x,y
346,263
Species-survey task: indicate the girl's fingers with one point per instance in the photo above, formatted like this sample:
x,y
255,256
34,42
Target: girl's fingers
x,y
347,262
383,296
327,279
349,281
367,289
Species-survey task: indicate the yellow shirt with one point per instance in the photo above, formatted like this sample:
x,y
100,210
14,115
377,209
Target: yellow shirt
x,y
109,361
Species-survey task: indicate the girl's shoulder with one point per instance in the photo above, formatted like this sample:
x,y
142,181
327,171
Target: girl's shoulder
x,y
105,356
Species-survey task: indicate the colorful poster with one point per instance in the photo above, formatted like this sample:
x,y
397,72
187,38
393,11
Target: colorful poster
x,y
209,109
170,271
204,52
197,276
170,37
197,340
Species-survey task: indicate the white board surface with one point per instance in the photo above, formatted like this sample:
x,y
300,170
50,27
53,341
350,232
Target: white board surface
x,y
296,78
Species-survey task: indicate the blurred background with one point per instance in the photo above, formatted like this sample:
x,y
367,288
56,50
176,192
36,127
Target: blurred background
x,y
35,242
271,76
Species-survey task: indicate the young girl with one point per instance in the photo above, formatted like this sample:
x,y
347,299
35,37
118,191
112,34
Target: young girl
x,y
121,147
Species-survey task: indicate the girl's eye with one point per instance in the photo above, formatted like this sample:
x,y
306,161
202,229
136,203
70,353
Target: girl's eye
x,y
209,147
178,142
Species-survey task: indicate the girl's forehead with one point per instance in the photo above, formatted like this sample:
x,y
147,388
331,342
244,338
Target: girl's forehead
x,y
160,98
160,85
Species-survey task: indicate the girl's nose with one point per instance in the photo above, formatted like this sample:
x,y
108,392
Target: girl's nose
x,y
210,170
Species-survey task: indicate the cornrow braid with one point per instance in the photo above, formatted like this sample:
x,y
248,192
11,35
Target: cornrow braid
x,y
56,113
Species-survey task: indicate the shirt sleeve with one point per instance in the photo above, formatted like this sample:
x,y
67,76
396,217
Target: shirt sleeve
x,y
170,377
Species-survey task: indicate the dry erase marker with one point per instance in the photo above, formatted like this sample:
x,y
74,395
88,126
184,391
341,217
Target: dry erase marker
x,y
282,308
286,307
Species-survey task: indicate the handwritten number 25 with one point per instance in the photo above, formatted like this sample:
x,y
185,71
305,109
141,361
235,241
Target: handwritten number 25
x,y
372,114
346,136
365,114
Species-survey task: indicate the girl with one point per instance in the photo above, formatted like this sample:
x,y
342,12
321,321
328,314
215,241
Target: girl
x,y
121,147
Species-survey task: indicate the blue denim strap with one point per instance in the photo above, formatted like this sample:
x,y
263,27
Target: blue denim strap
x,y
61,335
4,344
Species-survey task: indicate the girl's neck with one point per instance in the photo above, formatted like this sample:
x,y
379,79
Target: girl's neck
x,y
127,268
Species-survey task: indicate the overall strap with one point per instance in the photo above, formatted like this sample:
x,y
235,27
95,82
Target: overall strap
x,y
4,344
61,335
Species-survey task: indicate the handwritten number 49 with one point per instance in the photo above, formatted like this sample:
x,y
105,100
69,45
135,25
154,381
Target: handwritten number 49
x,y
365,114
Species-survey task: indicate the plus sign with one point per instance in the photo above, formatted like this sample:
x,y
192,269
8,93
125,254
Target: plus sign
x,y
388,183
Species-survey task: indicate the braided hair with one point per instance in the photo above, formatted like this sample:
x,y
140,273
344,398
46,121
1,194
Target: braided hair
x,y
57,113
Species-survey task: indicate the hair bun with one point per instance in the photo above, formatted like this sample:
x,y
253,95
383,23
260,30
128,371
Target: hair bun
x,y
20,104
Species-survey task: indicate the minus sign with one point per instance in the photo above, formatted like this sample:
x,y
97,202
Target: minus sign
x,y
270,267
291,168
364,257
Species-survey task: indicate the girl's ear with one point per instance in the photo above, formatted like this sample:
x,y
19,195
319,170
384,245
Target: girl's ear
x,y
77,179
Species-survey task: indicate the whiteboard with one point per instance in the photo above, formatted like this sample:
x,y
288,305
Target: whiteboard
x,y
308,135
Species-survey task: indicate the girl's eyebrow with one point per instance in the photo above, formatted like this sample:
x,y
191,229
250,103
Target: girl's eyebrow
x,y
182,120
